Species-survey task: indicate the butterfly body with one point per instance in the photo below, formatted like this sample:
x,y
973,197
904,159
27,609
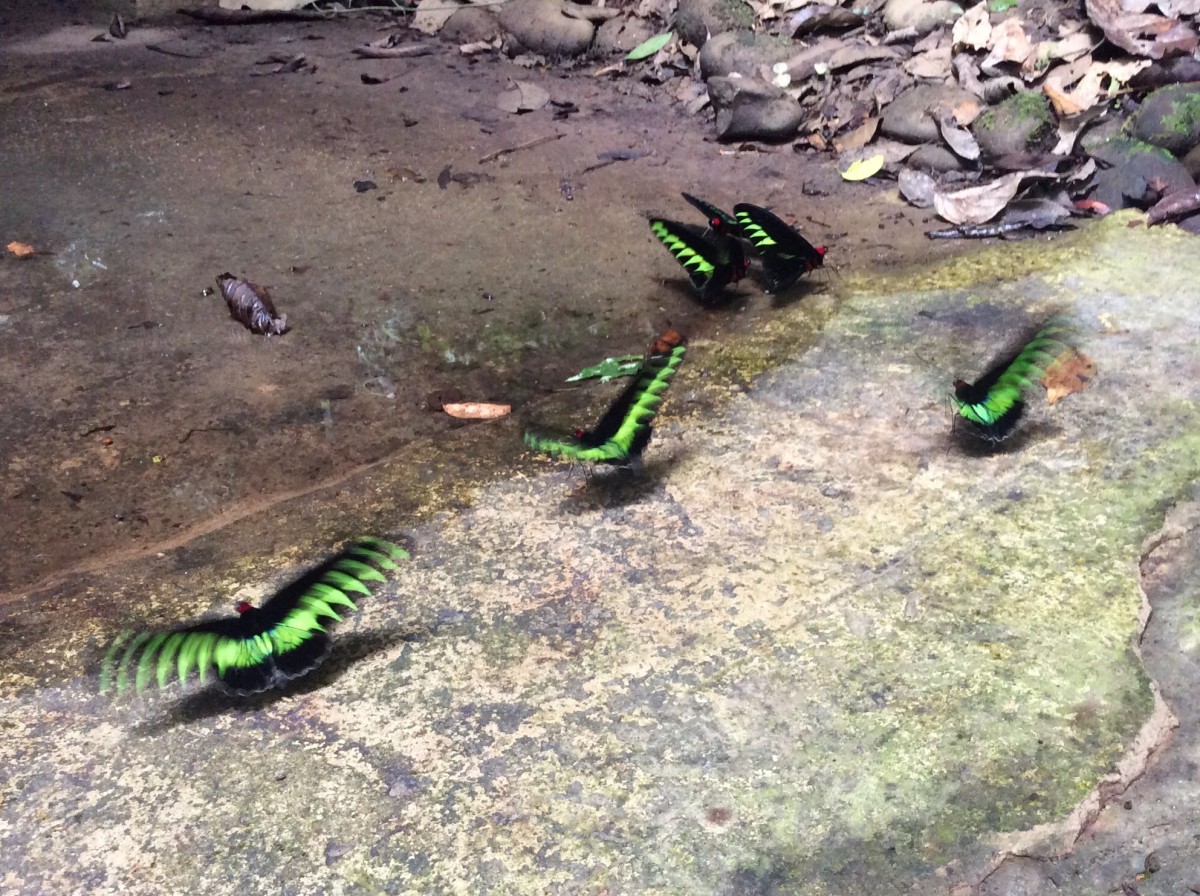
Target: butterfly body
x,y
786,255
718,221
992,405
711,264
262,647
624,431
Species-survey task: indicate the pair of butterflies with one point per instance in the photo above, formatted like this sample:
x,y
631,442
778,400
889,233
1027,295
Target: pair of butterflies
x,y
716,262
262,647
624,431
992,405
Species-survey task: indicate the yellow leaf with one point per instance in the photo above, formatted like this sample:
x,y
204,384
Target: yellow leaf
x,y
863,168
21,250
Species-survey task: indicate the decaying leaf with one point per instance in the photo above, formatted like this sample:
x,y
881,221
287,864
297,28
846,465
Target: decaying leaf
x,y
1069,372
21,250
917,187
476,410
524,96
975,205
1009,43
431,15
973,28
1129,30
858,138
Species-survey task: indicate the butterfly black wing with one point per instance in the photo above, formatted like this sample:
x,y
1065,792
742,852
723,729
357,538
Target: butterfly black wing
x,y
262,647
710,265
786,255
624,430
718,221
993,404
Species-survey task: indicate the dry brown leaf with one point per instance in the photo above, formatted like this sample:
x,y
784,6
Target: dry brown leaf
x,y
1129,30
1069,372
859,137
524,96
1063,103
930,64
476,410
21,250
973,28
1009,43
975,205
958,139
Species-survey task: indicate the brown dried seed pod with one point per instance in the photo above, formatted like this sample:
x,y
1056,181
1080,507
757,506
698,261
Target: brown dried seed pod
x,y
251,305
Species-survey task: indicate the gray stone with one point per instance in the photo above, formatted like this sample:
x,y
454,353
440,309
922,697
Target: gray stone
x,y
749,109
1022,123
1136,173
540,26
697,20
620,35
471,24
741,51
908,117
936,158
920,15
1170,118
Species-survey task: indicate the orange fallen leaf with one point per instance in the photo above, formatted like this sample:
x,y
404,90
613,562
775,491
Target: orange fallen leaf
x,y
21,250
1070,372
476,410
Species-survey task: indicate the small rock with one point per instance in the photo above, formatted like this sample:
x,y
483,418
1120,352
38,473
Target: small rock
x,y
1136,173
749,109
541,26
908,117
620,35
920,15
741,51
471,24
932,157
697,20
1021,123
1191,163
1169,118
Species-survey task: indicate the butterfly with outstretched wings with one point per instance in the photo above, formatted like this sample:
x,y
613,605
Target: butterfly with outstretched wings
x,y
711,264
786,255
624,431
262,647
993,404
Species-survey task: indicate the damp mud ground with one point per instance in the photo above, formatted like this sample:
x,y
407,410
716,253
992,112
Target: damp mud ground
x,y
817,647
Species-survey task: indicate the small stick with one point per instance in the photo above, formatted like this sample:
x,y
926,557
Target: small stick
x,y
538,141
405,52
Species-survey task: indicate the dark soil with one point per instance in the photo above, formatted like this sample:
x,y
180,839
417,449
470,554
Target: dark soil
x,y
138,414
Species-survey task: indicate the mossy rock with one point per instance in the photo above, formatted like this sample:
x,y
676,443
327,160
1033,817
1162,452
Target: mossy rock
x,y
1169,118
1130,168
1021,123
697,20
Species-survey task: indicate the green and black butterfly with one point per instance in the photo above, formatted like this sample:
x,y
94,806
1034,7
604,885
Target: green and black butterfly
x,y
624,430
718,221
711,264
786,255
993,404
262,647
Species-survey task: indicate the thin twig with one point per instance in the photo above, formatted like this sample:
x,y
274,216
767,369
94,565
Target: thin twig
x,y
405,52
538,141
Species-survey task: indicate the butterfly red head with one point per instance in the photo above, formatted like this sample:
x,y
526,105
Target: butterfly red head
x,y
244,607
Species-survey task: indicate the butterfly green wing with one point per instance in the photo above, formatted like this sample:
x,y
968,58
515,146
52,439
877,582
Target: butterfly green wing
x,y
283,638
625,428
994,401
695,255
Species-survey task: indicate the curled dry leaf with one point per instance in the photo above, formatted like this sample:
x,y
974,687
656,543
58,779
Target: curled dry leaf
x,y
251,305
958,139
1069,372
21,250
1009,43
476,410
